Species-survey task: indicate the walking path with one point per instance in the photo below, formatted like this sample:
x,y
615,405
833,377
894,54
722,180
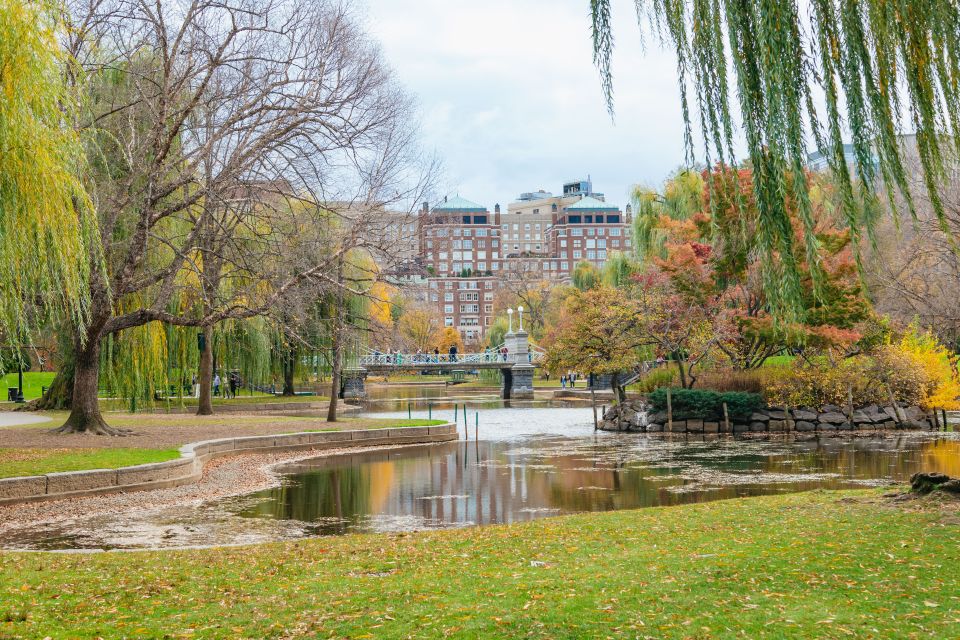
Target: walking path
x,y
19,418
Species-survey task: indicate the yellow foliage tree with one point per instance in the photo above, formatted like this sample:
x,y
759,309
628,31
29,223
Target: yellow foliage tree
x,y
448,337
941,389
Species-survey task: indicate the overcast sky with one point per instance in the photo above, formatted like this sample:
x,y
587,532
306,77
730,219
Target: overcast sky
x,y
511,102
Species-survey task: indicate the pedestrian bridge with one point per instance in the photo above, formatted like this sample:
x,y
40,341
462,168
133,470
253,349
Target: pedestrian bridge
x,y
516,366
386,362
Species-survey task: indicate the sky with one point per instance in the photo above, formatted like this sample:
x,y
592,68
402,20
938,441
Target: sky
x,y
510,101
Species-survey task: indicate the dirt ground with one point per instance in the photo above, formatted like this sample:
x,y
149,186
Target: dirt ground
x,y
166,431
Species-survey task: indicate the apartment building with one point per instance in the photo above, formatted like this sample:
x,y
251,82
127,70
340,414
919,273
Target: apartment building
x,y
588,229
467,252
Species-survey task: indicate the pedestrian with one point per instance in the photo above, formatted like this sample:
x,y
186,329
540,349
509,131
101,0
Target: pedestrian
x,y
234,383
216,384
436,354
563,382
453,353
196,387
503,353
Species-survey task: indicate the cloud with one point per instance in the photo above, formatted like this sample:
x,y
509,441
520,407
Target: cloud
x,y
511,101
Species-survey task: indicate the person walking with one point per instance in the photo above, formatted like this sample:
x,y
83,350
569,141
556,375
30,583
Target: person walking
x,y
436,354
216,384
453,353
563,382
234,381
503,353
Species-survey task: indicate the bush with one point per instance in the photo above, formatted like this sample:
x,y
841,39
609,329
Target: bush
x,y
750,381
916,370
701,404
665,376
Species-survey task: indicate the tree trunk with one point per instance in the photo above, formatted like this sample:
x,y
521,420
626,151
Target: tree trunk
x,y
59,394
85,416
619,392
680,367
205,406
289,371
335,367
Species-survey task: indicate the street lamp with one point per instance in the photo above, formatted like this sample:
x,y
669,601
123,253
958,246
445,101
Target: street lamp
x,y
510,316
19,397
520,309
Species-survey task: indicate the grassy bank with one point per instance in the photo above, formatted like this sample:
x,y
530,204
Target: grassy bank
x,y
804,565
110,453
34,462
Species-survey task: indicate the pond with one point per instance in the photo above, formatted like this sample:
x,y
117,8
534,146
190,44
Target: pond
x,y
533,460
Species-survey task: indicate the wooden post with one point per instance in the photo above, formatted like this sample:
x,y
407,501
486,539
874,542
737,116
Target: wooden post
x,y
936,421
593,401
476,426
456,415
726,417
896,409
943,413
669,411
850,403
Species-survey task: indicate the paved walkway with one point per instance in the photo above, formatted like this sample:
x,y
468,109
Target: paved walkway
x,y
18,418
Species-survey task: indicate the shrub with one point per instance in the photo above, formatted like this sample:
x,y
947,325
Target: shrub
x,y
916,370
664,376
750,381
703,404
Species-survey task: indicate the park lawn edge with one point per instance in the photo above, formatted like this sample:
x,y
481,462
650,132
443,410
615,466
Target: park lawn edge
x,y
814,564
61,460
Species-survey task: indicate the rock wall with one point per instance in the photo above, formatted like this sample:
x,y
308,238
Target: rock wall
x,y
635,416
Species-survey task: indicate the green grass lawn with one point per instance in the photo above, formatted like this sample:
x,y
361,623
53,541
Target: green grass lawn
x,y
33,381
816,564
35,462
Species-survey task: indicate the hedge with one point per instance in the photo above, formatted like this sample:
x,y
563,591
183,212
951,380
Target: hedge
x,y
702,404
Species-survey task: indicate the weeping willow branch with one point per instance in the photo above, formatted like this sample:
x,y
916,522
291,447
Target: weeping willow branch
x,y
877,67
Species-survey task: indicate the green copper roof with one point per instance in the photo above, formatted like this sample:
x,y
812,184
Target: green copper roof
x,y
456,203
591,204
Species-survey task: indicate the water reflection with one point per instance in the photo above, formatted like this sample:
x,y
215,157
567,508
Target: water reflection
x,y
461,484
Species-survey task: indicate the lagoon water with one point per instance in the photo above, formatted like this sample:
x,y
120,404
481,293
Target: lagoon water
x,y
533,460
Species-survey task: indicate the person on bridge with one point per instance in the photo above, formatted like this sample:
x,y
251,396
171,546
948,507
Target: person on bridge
x,y
453,353
503,352
436,354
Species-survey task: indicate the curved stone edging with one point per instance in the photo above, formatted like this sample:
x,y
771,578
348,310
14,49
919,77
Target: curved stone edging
x,y
194,456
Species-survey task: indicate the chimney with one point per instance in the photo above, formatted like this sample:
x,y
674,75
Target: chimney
x,y
426,207
496,208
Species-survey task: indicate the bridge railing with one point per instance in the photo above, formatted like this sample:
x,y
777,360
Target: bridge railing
x,y
466,359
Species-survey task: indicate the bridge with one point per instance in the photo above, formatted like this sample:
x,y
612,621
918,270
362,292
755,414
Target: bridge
x,y
516,366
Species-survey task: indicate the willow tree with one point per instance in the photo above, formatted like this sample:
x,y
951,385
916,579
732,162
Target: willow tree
x,y
224,110
47,223
870,67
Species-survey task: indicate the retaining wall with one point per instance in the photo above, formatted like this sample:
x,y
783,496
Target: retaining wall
x,y
189,466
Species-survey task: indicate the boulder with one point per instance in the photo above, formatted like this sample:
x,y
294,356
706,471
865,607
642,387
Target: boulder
x,y
695,425
659,417
711,427
777,414
831,408
861,417
654,427
832,417
924,483
804,414
826,426
950,486
804,425
756,425
777,425
740,427
759,417
845,426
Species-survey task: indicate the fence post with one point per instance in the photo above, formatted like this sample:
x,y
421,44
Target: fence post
x,y
669,411
593,402
476,427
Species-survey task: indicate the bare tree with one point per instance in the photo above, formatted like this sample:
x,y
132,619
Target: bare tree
x,y
220,126
914,270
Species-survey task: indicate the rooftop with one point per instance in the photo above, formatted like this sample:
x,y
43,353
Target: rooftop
x,y
591,204
456,203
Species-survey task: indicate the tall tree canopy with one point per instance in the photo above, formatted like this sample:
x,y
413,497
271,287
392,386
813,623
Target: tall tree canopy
x,y
863,66
47,226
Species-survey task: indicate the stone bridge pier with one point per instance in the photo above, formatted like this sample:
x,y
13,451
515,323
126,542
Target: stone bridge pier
x,y
518,379
352,383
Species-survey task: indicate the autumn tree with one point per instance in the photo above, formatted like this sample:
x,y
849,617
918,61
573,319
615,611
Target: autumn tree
x,y
796,73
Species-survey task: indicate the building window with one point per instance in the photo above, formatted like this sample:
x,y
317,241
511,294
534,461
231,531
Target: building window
x,y
577,255
481,233
488,308
564,266
448,297
615,232
576,232
434,297
448,321
448,308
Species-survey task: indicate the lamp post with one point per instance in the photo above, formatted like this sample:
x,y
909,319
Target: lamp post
x,y
510,316
19,397
520,309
